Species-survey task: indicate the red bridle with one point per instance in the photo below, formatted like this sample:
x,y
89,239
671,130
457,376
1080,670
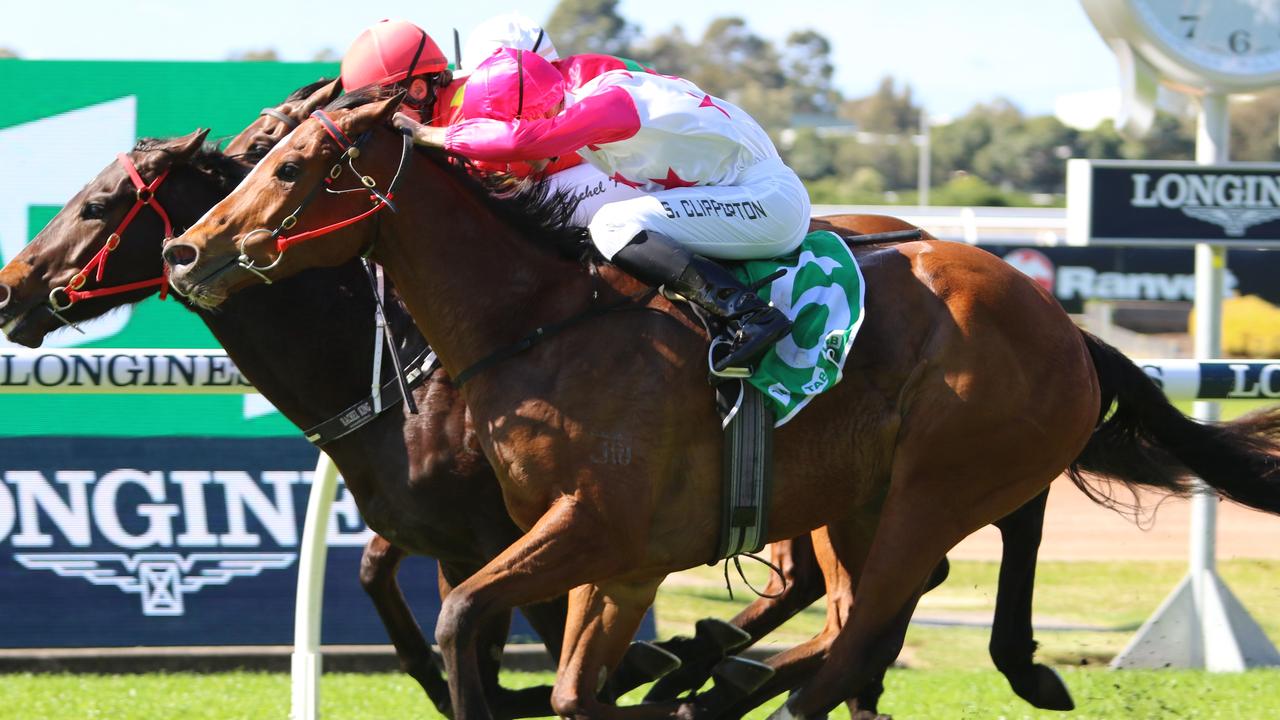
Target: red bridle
x,y
145,195
379,199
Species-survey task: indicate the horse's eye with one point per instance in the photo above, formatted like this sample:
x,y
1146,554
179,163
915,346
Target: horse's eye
x,y
93,211
288,172
258,150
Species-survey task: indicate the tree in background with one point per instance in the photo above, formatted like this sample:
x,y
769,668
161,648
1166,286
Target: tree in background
x,y
1254,127
591,26
981,157
887,110
258,55
808,69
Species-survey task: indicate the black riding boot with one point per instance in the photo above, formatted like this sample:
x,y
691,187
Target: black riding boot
x,y
755,325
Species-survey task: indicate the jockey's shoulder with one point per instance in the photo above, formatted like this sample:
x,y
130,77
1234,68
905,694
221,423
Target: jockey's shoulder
x,y
584,67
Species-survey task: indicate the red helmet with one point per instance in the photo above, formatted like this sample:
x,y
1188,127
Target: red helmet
x,y
389,52
512,84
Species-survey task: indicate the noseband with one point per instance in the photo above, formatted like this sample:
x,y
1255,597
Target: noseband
x,y
63,297
350,152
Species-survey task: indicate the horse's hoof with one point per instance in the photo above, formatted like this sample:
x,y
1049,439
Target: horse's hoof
x,y
729,638
1043,688
740,674
869,715
649,661
643,662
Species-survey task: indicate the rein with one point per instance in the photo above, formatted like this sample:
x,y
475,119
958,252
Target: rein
x,y
383,396
544,332
350,151
145,194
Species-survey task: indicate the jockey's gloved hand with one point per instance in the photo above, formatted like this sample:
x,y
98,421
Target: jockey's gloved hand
x,y
421,134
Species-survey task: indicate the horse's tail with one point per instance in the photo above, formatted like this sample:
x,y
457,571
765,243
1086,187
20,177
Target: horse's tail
x,y
1146,441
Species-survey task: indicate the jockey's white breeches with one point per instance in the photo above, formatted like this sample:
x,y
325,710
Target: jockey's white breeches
x,y
765,215
593,189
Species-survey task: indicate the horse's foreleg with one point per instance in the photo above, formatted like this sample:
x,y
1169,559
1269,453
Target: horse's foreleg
x,y
798,587
561,551
378,567
1013,646
903,554
602,622
839,571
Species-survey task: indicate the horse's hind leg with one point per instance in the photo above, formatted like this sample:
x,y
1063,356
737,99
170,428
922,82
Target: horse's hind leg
x,y
1012,644
914,533
378,567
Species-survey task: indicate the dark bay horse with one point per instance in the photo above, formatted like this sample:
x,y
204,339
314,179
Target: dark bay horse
x,y
198,177
969,392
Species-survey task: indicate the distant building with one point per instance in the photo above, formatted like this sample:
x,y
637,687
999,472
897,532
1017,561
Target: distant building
x,y
824,126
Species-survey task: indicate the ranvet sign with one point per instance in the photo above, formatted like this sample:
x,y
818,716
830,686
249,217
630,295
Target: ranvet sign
x,y
1172,203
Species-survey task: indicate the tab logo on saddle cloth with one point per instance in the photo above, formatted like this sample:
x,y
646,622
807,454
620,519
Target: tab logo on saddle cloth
x,y
822,292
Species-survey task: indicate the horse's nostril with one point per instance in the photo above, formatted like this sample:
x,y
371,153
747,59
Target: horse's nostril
x,y
180,254
6,294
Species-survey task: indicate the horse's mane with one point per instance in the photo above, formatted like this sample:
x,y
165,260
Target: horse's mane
x,y
211,161
541,212
307,90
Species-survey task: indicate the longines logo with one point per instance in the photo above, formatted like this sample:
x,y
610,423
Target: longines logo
x,y
162,535
160,579
1233,202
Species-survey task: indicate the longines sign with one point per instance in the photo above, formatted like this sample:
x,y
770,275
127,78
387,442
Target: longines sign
x,y
1167,203
173,541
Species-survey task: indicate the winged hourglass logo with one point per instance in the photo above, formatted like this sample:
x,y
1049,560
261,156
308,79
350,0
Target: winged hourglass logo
x,y
162,579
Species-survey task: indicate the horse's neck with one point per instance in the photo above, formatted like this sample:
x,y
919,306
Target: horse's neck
x,y
307,352
478,286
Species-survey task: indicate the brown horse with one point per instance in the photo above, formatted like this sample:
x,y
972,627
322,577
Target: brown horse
x,y
197,178
1012,646
969,392
964,365
440,442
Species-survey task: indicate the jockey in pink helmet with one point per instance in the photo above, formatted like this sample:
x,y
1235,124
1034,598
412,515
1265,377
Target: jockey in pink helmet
x,y
397,52
714,182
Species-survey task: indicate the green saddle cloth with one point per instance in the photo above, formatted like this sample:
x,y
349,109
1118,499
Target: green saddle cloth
x,y
822,293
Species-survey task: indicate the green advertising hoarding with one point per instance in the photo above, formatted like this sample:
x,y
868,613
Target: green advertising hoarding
x,y
61,123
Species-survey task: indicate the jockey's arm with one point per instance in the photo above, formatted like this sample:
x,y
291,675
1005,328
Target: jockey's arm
x,y
603,117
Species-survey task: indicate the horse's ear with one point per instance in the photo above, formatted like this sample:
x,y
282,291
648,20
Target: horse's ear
x,y
378,112
321,97
185,146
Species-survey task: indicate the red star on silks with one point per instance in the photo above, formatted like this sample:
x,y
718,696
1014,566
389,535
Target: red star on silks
x,y
707,102
672,181
617,177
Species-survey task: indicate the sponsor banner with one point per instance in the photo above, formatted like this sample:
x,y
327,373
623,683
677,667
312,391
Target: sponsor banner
x,y
69,119
1077,274
120,371
1199,380
110,542
1167,203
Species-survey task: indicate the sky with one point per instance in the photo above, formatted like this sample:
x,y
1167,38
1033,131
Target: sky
x,y
953,54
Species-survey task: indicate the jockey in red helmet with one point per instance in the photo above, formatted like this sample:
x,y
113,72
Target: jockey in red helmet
x,y
397,52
